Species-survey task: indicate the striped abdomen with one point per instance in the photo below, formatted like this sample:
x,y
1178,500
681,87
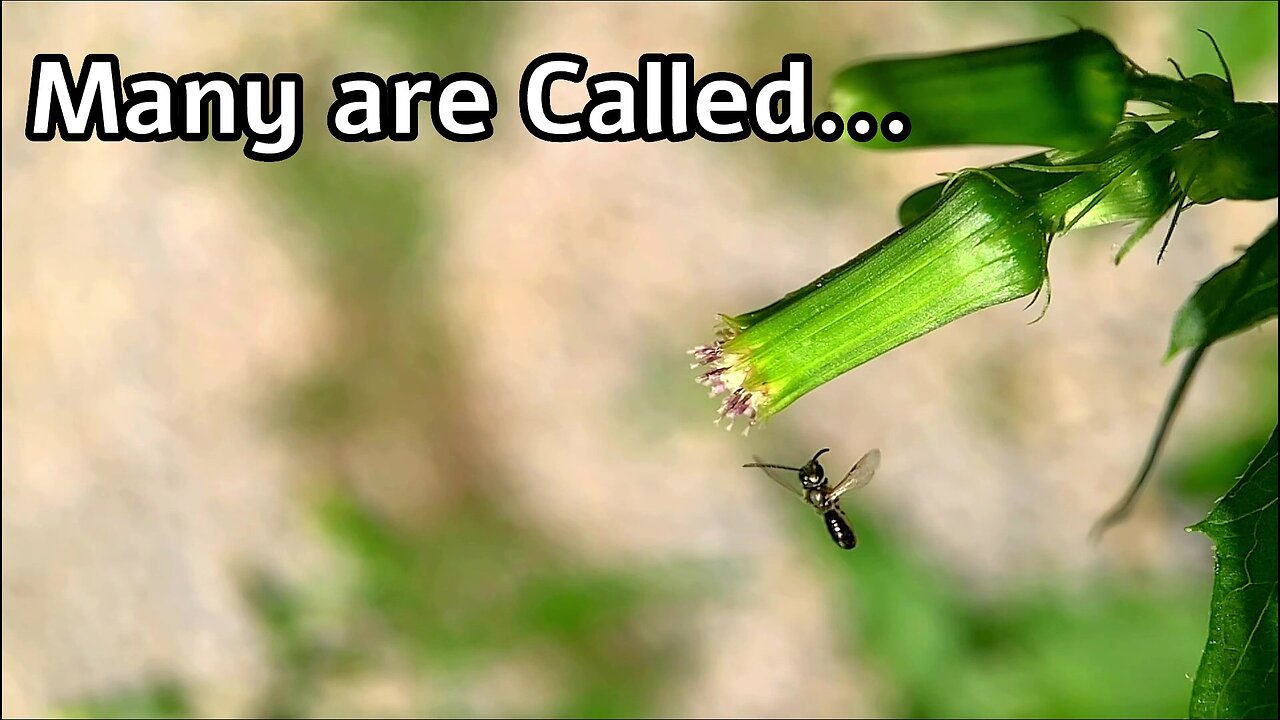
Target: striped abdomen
x,y
839,528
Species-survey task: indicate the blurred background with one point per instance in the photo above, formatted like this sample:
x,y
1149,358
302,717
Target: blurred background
x,y
408,428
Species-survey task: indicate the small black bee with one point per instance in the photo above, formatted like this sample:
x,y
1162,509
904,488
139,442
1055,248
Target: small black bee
x,y
814,489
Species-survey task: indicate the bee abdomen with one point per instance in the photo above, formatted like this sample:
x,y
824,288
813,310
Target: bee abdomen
x,y
839,529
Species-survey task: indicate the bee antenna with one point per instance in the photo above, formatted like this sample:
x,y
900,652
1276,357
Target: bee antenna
x,y
815,455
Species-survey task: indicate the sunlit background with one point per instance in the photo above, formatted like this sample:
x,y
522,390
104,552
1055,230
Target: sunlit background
x,y
408,428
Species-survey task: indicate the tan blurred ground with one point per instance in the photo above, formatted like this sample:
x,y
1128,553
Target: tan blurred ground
x,y
152,299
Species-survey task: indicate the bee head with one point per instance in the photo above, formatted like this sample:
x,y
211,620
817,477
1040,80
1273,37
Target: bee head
x,y
812,475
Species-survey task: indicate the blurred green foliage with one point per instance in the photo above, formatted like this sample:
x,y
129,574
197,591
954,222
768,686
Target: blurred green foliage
x,y
1246,32
469,593
445,37
461,597
1116,647
164,698
464,590
761,33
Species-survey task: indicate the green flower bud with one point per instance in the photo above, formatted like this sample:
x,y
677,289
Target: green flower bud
x,y
983,244
1024,182
1142,195
1238,163
1065,92
1213,85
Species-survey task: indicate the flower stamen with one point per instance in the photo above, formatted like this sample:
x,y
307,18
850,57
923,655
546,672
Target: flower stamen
x,y
724,375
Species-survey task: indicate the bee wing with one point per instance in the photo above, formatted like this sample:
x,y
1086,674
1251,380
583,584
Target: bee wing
x,y
788,481
860,474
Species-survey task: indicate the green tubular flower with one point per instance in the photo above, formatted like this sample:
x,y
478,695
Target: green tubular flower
x,y
1238,163
1064,92
1143,195
982,245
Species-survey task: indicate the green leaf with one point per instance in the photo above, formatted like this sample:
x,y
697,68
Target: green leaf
x,y
1237,675
1235,298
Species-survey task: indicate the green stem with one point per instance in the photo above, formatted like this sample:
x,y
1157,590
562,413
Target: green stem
x,y
1165,92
